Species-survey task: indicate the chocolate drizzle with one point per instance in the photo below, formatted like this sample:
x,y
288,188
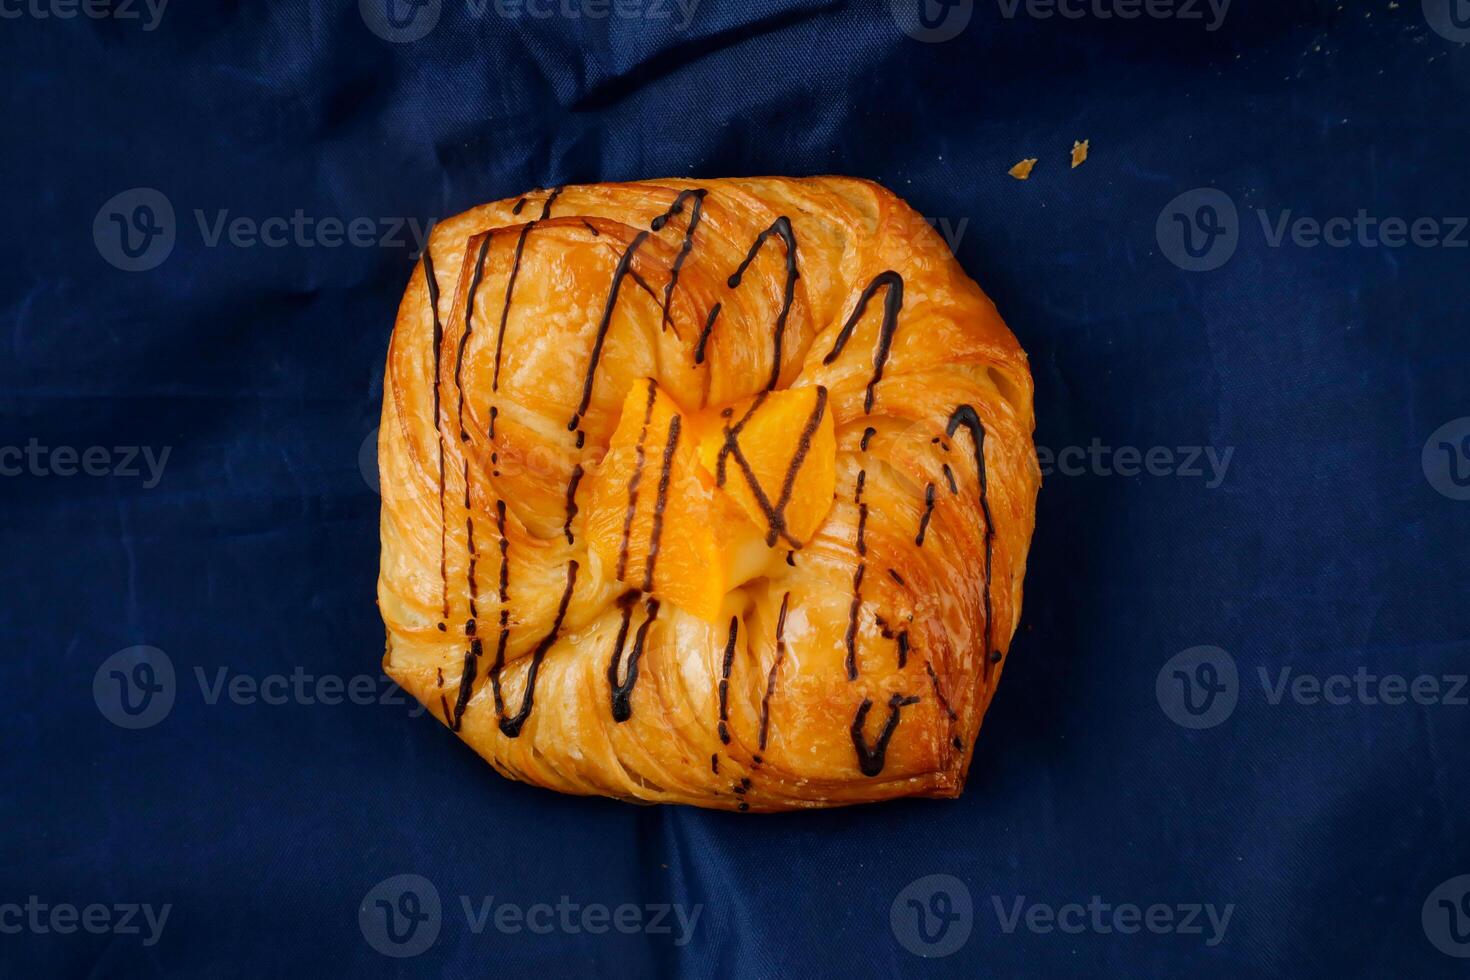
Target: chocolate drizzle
x,y
725,680
732,436
892,303
966,415
704,335
625,264
928,513
504,594
780,227
775,666
472,655
622,692
510,285
640,454
871,760
566,527
511,726
852,621
939,692
466,684
775,514
695,210
656,534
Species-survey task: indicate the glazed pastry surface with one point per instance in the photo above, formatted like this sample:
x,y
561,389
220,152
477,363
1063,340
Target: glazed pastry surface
x,y
712,492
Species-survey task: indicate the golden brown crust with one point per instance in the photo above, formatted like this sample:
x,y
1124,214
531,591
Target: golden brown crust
x,y
861,668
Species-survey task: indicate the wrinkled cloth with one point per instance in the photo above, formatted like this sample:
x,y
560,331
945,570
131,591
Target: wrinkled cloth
x,y
1285,499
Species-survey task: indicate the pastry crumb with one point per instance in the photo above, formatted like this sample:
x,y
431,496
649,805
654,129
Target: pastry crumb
x,y
1022,170
1079,153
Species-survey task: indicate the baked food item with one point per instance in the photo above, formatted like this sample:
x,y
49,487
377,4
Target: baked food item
x,y
713,492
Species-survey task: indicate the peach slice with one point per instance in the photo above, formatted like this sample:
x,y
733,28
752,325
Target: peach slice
x,y
653,517
776,456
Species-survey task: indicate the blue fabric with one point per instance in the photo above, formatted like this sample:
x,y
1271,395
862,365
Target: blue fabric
x,y
1332,541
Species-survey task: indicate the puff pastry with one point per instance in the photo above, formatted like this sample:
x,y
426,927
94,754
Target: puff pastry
x,y
711,492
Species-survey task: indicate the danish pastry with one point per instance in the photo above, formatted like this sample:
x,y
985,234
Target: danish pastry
x,y
711,492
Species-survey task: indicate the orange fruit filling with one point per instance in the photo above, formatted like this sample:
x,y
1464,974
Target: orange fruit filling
x,y
686,506
776,455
